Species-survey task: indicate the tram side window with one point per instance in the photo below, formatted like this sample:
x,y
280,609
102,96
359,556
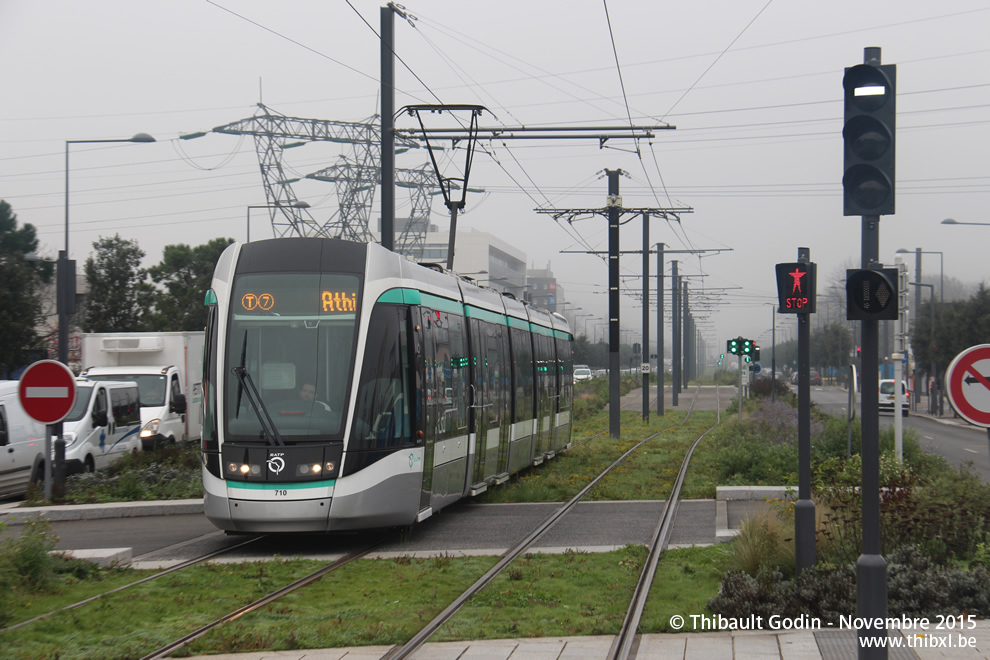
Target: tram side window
x,y
565,370
381,418
496,371
450,374
522,370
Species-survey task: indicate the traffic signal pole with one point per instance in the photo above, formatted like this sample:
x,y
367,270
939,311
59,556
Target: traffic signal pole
x,y
868,191
804,508
614,205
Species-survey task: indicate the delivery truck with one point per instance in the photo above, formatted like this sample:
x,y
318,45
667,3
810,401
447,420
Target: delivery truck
x,y
168,370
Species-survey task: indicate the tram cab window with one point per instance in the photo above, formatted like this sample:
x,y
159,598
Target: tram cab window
x,y
288,330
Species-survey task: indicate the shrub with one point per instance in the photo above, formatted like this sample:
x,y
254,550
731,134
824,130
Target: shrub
x,y
764,388
28,558
742,595
764,541
169,473
916,587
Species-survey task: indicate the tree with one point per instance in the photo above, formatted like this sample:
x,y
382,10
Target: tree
x,y
962,324
119,298
185,273
21,285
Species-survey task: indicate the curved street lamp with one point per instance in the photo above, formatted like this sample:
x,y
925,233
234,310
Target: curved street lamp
x,y
950,221
65,283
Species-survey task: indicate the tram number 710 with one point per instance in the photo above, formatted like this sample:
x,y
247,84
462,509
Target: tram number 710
x,y
281,493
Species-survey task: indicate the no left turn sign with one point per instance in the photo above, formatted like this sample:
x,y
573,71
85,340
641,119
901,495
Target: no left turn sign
x,y
968,384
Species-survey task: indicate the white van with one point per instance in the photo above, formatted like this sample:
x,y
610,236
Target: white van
x,y
103,424
163,405
22,444
887,396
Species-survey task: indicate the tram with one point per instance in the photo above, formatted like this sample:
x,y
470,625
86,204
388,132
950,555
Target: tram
x,y
346,387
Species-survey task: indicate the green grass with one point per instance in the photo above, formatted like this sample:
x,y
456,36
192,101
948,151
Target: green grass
x,y
369,602
647,475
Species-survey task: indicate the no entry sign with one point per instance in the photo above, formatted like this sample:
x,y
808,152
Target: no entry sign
x,y
47,391
968,383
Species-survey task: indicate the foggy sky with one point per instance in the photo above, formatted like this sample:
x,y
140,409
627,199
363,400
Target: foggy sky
x,y
753,88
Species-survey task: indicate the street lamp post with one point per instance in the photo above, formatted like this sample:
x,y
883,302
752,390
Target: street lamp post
x,y
941,265
66,274
298,204
931,334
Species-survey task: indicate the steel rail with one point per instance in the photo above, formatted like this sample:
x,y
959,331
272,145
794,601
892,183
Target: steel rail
x,y
167,571
417,641
265,600
622,645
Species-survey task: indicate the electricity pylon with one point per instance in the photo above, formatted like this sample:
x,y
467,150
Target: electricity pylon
x,y
272,132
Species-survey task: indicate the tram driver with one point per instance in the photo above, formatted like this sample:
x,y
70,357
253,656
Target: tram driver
x,y
307,393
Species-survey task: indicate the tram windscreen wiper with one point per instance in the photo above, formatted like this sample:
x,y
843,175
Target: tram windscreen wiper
x,y
254,398
240,385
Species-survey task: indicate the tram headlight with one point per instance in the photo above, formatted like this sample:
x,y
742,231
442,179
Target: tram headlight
x,y
306,469
244,469
329,466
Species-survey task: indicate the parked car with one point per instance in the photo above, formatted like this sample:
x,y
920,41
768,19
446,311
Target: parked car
x,y
22,444
103,424
814,378
888,395
582,373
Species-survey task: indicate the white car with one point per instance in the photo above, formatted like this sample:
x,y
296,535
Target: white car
x,y
888,395
582,373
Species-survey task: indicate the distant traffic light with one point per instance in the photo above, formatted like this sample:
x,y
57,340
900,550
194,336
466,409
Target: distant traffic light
x,y
871,295
868,132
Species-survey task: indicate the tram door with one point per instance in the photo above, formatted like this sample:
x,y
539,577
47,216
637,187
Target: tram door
x,y
489,401
445,352
425,356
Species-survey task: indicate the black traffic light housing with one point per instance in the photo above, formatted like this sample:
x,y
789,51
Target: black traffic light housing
x,y
734,346
871,294
868,131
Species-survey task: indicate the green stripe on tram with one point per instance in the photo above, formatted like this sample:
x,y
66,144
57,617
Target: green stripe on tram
x,y
484,315
415,297
296,485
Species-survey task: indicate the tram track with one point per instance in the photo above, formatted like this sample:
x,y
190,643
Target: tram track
x,y
168,571
302,582
624,641
418,640
642,589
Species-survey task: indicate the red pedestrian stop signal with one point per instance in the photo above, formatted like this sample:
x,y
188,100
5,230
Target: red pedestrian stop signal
x,y
47,391
796,288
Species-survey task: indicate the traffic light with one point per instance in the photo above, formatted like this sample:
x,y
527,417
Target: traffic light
x,y
871,295
868,132
733,346
796,287
747,347
756,353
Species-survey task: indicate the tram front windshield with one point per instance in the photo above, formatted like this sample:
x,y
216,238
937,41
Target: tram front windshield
x,y
290,355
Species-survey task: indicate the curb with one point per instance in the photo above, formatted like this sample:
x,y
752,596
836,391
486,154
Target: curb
x,y
16,515
726,494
